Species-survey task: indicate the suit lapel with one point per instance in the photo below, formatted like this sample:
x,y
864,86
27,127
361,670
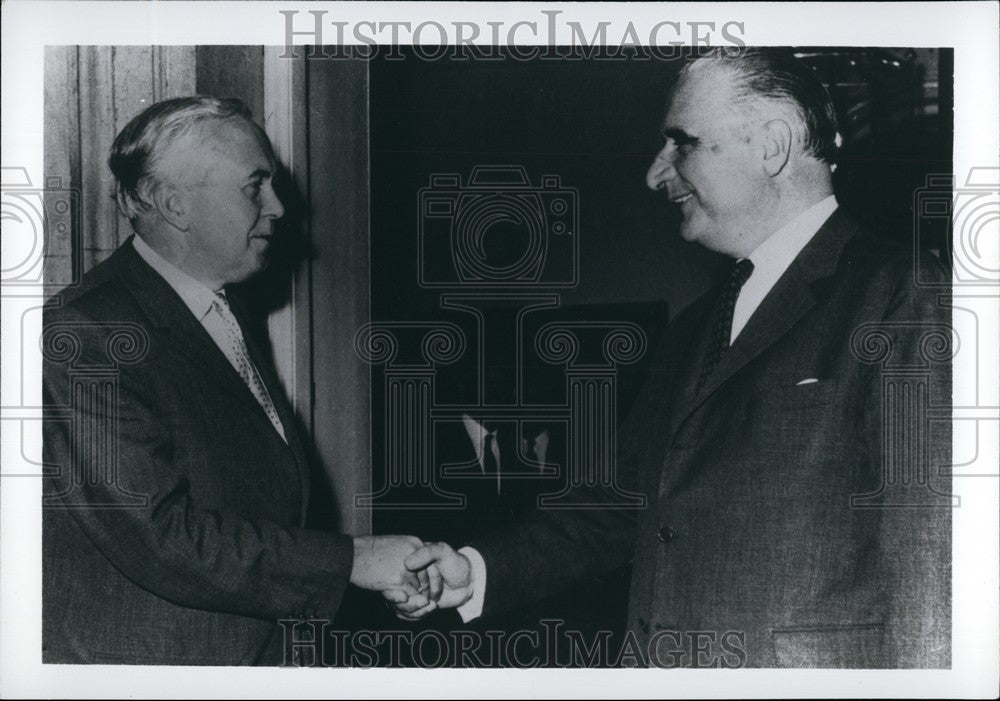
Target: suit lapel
x,y
684,390
171,318
454,448
788,301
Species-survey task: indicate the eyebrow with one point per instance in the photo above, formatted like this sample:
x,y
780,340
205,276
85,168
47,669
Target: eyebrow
x,y
679,136
260,173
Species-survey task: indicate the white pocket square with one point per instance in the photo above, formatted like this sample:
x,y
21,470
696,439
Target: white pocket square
x,y
807,381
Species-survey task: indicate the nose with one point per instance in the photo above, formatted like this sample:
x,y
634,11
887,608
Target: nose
x,y
272,208
662,169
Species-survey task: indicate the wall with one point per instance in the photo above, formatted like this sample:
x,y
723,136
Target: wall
x,y
91,92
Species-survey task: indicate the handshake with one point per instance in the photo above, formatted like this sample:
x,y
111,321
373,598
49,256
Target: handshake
x,y
414,577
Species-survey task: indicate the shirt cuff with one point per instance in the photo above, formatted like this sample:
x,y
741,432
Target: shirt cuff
x,y
473,608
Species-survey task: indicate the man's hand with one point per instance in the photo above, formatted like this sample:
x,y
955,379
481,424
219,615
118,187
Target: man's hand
x,y
450,578
378,566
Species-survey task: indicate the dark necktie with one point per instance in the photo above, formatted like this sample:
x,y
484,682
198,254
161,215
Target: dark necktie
x,y
719,343
490,466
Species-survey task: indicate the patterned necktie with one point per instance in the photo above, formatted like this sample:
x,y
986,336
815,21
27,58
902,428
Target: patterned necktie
x,y
724,309
240,358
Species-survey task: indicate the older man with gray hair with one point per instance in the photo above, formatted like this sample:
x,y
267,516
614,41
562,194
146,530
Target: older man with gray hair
x,y
174,523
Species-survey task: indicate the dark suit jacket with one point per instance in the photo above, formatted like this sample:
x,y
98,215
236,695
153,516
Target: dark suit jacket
x,y
750,546
174,512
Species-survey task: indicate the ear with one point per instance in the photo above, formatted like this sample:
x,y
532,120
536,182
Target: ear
x,y
777,146
172,205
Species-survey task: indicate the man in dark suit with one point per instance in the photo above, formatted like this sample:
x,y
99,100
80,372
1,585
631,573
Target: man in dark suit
x,y
175,504
795,515
498,467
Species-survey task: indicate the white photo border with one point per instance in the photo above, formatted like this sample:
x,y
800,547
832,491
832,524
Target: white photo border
x,y
970,28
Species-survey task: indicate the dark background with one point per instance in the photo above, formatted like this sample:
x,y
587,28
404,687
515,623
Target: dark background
x,y
595,123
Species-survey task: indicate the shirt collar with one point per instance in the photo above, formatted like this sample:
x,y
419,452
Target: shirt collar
x,y
779,250
195,295
477,432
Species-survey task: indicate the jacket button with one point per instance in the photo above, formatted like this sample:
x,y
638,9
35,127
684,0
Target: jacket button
x,y
665,534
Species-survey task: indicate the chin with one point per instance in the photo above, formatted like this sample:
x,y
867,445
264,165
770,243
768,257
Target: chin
x,y
690,234
250,272
256,270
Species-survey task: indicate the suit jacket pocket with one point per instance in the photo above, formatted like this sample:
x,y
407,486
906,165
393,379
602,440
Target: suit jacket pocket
x,y
791,397
858,646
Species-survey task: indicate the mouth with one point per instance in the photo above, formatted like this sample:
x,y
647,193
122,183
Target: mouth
x,y
681,199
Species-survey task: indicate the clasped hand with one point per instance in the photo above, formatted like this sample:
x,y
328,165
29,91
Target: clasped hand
x,y
414,577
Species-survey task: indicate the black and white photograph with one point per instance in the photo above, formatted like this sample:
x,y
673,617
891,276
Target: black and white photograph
x,y
452,349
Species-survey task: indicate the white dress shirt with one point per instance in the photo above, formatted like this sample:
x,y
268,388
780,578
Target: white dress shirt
x,y
772,257
477,434
770,261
